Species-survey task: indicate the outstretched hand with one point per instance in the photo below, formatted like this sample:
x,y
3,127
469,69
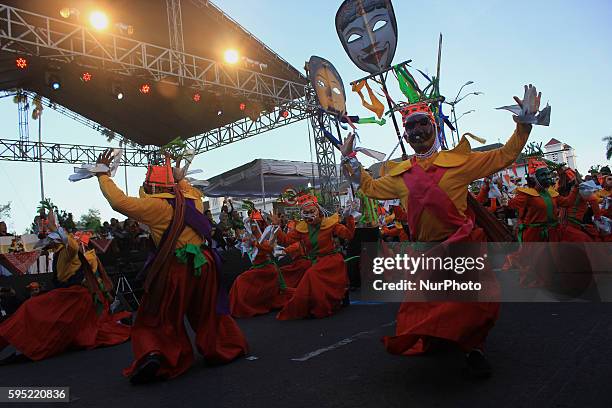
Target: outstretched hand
x,y
106,159
51,222
347,147
530,104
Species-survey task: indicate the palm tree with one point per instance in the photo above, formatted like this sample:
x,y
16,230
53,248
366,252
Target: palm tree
x,y
608,140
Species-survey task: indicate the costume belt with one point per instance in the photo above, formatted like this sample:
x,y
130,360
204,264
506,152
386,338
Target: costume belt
x,y
543,233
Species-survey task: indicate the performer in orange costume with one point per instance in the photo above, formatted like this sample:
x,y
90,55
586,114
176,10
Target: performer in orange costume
x,y
265,286
74,315
182,279
323,286
432,188
397,230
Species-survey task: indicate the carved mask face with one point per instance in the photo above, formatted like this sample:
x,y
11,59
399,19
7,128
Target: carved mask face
x,y
328,85
368,32
311,215
544,177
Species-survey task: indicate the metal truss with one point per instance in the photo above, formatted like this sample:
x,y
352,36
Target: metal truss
x,y
326,162
245,127
26,32
28,151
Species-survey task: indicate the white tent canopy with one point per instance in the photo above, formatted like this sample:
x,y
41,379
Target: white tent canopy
x,y
262,178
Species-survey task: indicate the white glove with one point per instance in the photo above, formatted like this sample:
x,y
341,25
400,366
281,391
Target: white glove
x,y
527,111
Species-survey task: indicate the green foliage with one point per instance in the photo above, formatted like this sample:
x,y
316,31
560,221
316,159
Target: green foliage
x,y
90,220
5,211
175,148
608,140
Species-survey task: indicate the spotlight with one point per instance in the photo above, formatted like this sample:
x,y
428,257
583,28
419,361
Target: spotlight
x,y
285,113
242,106
196,97
98,20
117,91
67,12
86,77
220,112
145,89
21,63
231,56
53,81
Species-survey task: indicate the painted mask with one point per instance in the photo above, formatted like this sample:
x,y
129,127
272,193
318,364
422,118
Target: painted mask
x,y
368,33
328,85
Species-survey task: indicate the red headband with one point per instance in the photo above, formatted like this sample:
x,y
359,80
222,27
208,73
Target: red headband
x,y
419,108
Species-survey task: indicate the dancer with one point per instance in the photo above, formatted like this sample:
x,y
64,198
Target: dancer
x,y
265,286
182,278
432,189
323,286
73,315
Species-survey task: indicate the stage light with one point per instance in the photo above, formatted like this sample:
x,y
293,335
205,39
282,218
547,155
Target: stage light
x,y
196,97
242,106
117,91
53,81
68,12
231,56
98,20
86,77
285,113
220,112
145,89
21,63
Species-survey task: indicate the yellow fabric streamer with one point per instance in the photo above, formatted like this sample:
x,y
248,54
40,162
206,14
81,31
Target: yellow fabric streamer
x,y
478,139
375,105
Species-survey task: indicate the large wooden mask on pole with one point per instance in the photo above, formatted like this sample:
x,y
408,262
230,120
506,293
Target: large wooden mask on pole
x,y
368,33
328,85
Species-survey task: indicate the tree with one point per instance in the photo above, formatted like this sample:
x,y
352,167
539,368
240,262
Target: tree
x,y
5,211
608,140
90,220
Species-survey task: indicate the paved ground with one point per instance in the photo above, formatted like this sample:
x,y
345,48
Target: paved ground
x,y
544,355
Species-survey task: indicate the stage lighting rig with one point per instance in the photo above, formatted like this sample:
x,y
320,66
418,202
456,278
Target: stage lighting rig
x,y
86,76
117,91
145,88
196,97
21,63
98,20
53,80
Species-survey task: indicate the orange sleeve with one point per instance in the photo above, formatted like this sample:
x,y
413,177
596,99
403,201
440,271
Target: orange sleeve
x,y
287,238
519,201
345,231
568,200
483,194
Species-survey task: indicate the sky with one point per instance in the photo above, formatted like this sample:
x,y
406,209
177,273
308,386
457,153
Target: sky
x,y
563,47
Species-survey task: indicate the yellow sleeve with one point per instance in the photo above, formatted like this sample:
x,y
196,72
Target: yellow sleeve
x,y
482,164
384,188
145,210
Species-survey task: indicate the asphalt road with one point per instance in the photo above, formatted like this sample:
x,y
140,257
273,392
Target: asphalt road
x,y
544,355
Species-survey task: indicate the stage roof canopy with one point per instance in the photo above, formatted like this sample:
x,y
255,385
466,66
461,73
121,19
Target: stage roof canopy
x,y
169,110
262,177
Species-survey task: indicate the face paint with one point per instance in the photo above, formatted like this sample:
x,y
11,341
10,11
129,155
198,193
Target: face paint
x,y
368,33
311,215
328,85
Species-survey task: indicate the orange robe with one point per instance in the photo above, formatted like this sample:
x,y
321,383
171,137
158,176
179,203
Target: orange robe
x,y
466,324
64,318
218,337
265,286
324,284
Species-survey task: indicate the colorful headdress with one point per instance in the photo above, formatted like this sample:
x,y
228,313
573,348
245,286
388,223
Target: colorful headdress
x,y
419,108
160,176
307,200
535,164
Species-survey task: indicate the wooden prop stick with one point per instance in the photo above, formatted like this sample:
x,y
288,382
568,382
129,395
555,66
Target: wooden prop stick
x,y
392,113
374,75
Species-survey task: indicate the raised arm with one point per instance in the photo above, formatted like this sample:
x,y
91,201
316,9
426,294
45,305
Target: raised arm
x,y
483,164
145,210
384,188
